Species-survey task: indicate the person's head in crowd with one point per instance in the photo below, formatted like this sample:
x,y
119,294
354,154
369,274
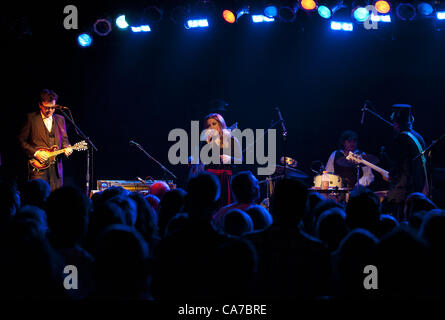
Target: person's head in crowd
x,y
107,194
35,192
103,216
325,205
122,270
128,207
171,204
415,220
363,209
28,247
33,213
159,189
288,202
416,202
237,264
331,227
314,198
261,218
176,224
355,252
237,223
67,210
153,201
316,205
245,187
203,192
386,225
147,219
432,229
403,262
9,202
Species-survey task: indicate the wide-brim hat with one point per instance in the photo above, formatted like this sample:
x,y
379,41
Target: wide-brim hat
x,y
401,113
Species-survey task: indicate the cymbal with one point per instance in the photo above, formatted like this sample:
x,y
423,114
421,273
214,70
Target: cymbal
x,y
348,163
291,172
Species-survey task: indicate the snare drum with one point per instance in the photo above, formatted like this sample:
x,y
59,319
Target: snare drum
x,y
334,181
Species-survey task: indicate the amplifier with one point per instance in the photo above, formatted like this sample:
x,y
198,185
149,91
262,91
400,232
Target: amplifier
x,y
131,185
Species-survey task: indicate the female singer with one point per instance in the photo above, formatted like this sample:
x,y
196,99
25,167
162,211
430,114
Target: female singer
x,y
216,132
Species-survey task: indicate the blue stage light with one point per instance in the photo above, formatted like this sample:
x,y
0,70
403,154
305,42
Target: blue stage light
x,y
345,26
425,9
121,22
197,23
441,15
270,11
324,12
84,40
258,18
381,18
143,28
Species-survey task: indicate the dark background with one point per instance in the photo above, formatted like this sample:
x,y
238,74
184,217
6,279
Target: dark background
x,y
140,86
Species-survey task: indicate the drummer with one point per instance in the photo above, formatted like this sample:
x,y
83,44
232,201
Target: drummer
x,y
348,142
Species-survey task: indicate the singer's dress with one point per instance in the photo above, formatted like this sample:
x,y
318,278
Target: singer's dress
x,y
224,171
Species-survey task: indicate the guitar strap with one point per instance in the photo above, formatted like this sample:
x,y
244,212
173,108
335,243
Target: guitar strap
x,y
420,149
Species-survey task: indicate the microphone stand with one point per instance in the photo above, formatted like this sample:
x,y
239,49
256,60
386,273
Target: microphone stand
x,y
93,148
376,115
150,157
432,145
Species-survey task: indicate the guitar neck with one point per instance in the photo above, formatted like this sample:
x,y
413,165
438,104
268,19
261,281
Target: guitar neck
x,y
373,166
57,152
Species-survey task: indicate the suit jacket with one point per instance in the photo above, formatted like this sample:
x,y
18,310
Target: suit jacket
x,y
407,176
34,135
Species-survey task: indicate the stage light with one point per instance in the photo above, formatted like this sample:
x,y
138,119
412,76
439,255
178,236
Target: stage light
x,y
270,11
145,28
382,6
440,15
84,40
324,12
425,8
308,5
345,26
121,22
406,11
361,14
381,18
142,28
197,23
102,27
229,16
258,18
287,11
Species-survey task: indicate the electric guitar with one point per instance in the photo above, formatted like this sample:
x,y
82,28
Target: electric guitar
x,y
53,152
358,159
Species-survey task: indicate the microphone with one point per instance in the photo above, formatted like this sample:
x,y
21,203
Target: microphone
x,y
135,143
61,107
282,121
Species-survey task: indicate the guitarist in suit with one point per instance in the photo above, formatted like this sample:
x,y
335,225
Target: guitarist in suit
x,y
348,143
406,175
44,129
